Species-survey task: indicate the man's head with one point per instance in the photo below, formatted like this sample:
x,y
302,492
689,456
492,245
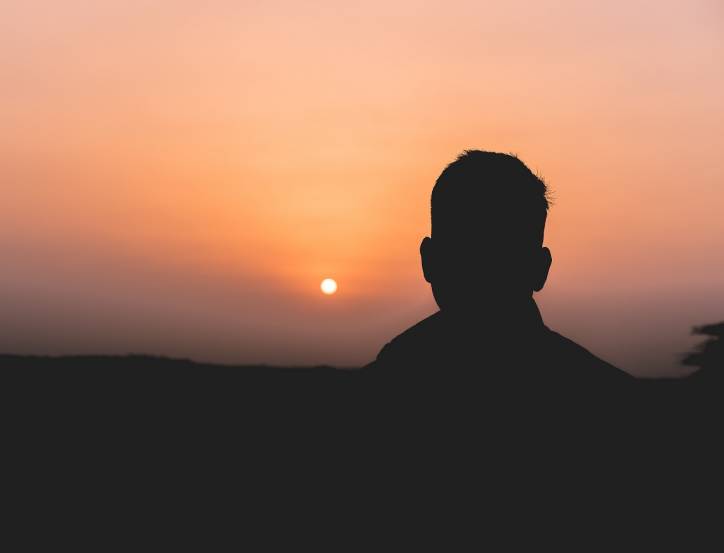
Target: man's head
x,y
488,218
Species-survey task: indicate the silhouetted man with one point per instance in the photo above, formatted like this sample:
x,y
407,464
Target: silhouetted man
x,y
484,259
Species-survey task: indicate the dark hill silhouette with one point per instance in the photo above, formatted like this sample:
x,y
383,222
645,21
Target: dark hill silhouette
x,y
136,362
108,383
134,386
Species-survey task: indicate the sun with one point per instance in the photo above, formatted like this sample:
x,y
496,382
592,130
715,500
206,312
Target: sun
x,y
328,286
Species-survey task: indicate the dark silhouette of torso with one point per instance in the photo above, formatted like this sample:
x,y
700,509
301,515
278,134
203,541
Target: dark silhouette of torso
x,y
443,351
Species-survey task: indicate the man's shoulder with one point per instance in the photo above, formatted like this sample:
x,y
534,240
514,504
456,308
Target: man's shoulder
x,y
572,355
421,330
410,342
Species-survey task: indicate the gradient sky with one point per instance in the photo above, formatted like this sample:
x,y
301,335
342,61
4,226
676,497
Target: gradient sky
x,y
178,177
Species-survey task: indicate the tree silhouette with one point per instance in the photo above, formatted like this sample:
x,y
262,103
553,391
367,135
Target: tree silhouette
x,y
709,355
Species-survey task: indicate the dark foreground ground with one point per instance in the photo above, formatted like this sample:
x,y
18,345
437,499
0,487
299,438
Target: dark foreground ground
x,y
115,445
160,404
140,409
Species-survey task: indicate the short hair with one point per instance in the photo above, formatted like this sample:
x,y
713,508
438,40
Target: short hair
x,y
491,185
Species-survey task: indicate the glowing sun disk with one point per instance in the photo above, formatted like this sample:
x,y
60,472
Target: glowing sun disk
x,y
328,286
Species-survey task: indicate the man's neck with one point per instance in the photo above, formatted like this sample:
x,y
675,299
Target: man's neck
x,y
510,318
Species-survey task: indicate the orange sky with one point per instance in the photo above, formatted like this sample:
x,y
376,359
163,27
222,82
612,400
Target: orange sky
x,y
178,177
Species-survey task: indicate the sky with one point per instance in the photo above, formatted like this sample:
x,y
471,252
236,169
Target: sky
x,y
178,177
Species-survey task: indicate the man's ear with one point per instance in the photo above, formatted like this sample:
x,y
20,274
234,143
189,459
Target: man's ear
x,y
543,266
427,257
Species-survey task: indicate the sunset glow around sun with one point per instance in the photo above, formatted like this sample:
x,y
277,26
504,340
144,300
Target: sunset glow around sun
x,y
328,286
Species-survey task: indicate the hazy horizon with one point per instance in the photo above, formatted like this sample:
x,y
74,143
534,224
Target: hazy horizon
x,y
178,177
